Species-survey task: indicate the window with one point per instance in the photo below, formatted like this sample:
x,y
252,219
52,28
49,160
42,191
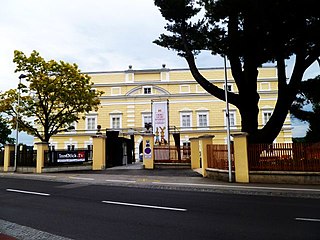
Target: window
x,y
202,119
232,119
91,122
115,122
229,87
266,116
146,118
185,120
147,90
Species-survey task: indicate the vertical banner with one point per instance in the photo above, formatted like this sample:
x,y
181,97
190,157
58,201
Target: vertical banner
x,y
160,122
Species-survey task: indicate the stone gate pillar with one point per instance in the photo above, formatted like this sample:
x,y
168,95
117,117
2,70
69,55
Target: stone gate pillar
x,y
241,157
204,141
41,148
7,149
148,151
99,152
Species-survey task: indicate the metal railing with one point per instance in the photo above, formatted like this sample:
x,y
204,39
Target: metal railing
x,y
284,157
218,156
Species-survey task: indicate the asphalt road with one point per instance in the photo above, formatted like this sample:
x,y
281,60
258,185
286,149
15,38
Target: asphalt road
x,y
84,211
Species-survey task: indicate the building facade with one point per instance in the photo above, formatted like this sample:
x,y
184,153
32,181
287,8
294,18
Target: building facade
x,y
128,96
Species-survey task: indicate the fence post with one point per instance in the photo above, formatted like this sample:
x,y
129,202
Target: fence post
x,y
41,148
204,141
241,157
148,151
99,152
7,149
195,154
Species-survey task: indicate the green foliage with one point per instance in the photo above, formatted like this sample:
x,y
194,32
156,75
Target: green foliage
x,y
306,107
54,96
5,132
249,33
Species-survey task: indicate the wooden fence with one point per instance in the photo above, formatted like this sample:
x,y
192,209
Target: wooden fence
x,y
218,156
284,157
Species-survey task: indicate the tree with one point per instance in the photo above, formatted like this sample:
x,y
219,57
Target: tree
x,y
306,107
249,33
55,96
5,132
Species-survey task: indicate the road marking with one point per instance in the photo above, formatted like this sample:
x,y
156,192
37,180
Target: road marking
x,y
82,178
307,219
27,192
244,187
124,181
145,206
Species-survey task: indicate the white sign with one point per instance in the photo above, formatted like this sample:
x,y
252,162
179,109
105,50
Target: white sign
x,y
160,121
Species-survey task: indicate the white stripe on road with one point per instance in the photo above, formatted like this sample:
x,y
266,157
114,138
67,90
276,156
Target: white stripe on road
x,y
243,187
145,206
124,181
308,219
27,192
82,178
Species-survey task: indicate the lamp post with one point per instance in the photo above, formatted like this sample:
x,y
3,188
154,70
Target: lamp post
x,y
227,118
17,125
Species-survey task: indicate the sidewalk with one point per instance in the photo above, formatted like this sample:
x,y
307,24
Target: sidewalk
x,y
133,175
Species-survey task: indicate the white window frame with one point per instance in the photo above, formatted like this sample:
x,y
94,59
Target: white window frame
x,y
233,124
95,117
115,115
144,115
146,87
198,119
230,87
264,112
189,113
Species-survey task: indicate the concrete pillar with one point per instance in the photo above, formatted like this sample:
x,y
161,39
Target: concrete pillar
x,y
148,152
99,152
7,149
195,154
204,141
241,157
41,148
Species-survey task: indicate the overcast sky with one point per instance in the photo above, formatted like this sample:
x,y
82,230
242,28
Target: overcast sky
x,y
97,35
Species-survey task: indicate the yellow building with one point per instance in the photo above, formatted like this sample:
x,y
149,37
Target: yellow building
x,y
126,105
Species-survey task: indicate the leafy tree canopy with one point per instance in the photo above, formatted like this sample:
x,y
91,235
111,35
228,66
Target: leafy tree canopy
x,y
306,107
54,96
5,132
249,33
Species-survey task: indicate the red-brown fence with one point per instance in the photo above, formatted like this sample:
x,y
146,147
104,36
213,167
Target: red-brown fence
x,y
284,157
166,154
218,156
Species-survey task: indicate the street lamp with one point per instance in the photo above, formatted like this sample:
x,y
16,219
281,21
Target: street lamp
x,y
228,119
17,124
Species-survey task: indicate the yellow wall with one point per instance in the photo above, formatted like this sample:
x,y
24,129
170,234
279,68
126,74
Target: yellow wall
x,y
132,103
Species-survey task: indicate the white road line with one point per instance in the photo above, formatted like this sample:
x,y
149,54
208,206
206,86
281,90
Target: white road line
x,y
308,219
81,178
124,181
244,187
27,192
145,206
